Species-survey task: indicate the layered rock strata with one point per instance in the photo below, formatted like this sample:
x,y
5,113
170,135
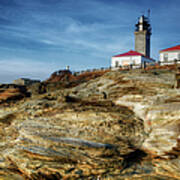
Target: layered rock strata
x,y
122,125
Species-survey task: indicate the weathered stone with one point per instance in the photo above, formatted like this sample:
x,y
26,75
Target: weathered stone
x,y
133,133
12,93
25,81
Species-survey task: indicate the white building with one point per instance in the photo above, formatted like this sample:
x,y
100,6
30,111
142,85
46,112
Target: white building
x,y
169,55
130,58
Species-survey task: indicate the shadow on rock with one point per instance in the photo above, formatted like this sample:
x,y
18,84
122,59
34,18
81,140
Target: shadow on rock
x,y
133,158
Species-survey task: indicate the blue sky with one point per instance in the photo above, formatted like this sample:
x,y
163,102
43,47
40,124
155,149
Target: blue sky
x,y
38,37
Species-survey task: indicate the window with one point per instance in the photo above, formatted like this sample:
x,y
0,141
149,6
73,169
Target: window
x,y
116,63
179,56
166,57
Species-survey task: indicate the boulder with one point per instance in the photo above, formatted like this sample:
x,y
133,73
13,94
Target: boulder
x,y
11,92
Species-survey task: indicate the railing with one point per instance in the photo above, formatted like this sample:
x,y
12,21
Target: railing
x,y
76,73
148,65
153,65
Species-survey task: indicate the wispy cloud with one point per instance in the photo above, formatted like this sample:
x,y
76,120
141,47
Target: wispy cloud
x,y
82,34
16,68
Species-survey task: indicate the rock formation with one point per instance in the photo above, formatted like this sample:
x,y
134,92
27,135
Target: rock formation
x,y
121,125
12,92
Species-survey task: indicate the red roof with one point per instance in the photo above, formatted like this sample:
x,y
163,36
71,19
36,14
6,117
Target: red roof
x,y
129,53
174,48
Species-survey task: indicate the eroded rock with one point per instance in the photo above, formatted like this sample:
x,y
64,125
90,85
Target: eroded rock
x,y
12,92
77,133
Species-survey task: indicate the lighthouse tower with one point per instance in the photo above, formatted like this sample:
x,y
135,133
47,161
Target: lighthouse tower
x,y
142,36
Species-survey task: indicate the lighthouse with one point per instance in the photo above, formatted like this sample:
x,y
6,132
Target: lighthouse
x,y
142,36
141,55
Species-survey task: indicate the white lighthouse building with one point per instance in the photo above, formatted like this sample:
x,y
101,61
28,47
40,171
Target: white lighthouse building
x,y
169,55
141,54
129,58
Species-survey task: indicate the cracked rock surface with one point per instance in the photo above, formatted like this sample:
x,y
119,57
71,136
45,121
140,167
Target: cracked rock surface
x,y
122,125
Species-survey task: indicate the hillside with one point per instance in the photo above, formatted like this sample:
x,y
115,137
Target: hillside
x,y
120,125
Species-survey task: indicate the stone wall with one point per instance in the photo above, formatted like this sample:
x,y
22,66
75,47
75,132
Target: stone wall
x,y
25,81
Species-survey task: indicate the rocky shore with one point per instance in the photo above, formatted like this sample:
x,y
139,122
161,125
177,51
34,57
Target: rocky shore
x,y
118,125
